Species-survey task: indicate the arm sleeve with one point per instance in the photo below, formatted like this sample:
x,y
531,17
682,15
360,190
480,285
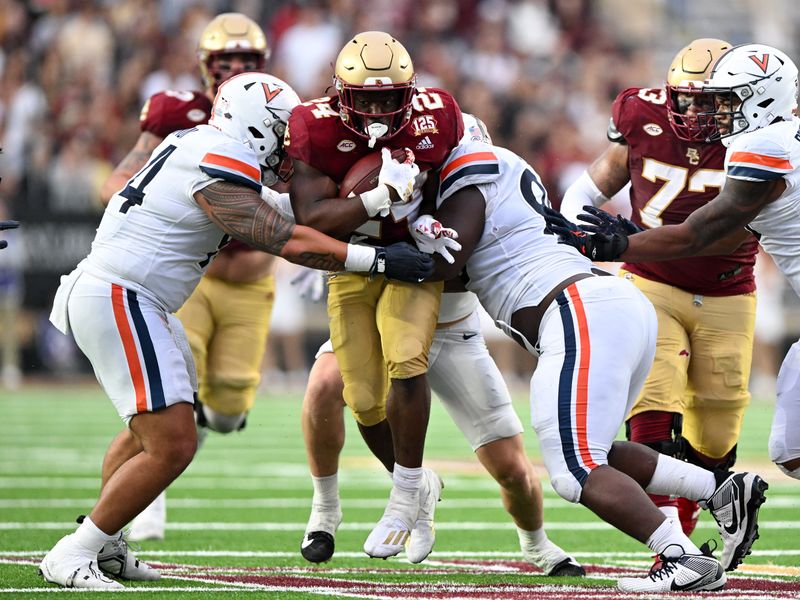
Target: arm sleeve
x,y
582,192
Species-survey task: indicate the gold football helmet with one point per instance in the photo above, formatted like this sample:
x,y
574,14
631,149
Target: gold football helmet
x,y
687,105
374,78
226,34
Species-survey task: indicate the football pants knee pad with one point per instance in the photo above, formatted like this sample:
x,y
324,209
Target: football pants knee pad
x,y
567,487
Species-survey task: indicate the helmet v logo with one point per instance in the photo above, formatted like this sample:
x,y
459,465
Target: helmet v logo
x,y
270,93
762,63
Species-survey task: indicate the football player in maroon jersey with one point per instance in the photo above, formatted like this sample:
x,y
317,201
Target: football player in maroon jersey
x,y
227,317
694,399
381,330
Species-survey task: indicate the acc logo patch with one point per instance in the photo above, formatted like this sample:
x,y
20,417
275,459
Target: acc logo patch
x,y
424,124
653,129
196,115
345,145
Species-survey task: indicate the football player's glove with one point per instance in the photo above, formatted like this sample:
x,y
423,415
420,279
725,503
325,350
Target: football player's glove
x,y
431,237
398,176
596,246
403,262
599,221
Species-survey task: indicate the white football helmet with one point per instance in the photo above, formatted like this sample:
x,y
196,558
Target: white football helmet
x,y
754,85
254,108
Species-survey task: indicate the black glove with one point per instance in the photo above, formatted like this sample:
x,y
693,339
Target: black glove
x,y
403,262
597,246
602,222
553,218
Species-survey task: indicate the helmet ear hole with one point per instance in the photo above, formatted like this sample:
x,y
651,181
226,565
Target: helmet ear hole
x,y
255,133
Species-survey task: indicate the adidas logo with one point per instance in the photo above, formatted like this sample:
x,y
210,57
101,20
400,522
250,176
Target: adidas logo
x,y
425,144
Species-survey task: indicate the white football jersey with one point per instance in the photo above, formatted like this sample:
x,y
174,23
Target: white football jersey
x,y
515,263
154,238
764,155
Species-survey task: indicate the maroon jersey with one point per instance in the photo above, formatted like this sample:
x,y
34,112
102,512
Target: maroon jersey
x,y
170,111
670,179
317,137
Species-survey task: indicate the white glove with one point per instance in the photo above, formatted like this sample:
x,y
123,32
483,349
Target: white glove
x,y
431,237
398,175
310,284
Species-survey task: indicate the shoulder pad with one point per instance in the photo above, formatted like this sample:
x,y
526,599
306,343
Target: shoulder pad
x,y
758,156
468,164
234,162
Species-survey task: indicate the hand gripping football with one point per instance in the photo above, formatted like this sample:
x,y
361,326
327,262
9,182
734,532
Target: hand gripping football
x,y
363,175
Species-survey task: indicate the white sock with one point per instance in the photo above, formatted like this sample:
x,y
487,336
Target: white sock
x,y
531,539
669,540
91,537
671,512
673,477
326,490
407,479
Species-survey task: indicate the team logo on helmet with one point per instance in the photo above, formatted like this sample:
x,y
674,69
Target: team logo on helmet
x,y
761,62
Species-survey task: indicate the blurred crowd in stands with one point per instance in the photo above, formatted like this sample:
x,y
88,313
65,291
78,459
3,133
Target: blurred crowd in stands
x,y
540,73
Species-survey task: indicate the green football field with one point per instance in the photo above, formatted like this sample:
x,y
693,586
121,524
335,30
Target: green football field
x,y
237,515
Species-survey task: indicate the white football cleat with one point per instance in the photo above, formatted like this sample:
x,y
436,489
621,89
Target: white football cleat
x,y
389,536
70,565
318,541
116,560
688,572
151,522
734,506
551,559
420,543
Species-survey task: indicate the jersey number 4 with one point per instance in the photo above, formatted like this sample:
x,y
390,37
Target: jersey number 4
x,y
134,194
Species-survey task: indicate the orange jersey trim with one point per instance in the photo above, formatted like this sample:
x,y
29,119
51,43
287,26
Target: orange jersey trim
x,y
761,159
467,158
233,164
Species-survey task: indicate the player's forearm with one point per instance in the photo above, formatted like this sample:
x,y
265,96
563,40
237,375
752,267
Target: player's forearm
x,y
314,249
337,217
115,182
662,243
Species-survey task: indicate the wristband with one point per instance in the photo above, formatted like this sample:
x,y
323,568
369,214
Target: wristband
x,y
359,258
377,201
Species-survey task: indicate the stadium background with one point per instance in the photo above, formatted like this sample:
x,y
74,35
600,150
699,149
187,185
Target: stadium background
x,y
541,73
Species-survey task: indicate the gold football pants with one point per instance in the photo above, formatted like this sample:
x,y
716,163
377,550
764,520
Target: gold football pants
x,y
381,330
227,325
702,364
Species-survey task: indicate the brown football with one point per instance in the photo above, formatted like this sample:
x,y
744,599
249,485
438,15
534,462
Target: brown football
x,y
363,175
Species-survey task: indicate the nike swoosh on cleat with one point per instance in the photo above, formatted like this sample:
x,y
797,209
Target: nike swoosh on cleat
x,y
306,542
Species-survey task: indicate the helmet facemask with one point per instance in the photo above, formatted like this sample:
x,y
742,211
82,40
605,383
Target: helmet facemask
x,y
374,78
688,103
754,85
387,121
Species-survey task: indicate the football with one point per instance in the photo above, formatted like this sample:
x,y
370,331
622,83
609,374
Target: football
x,y
363,175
